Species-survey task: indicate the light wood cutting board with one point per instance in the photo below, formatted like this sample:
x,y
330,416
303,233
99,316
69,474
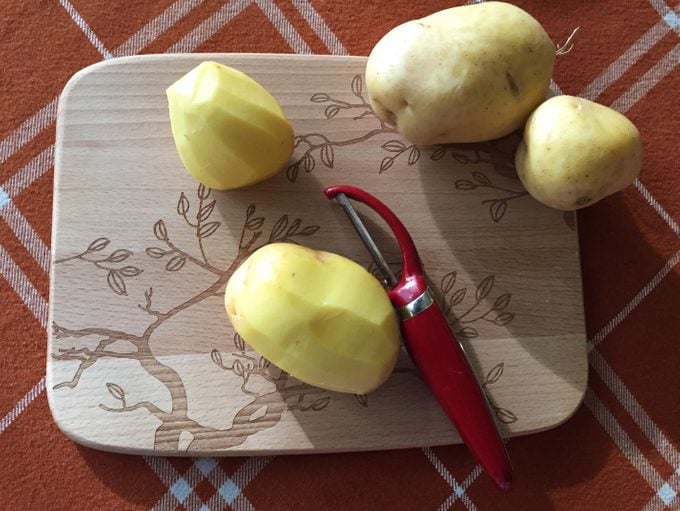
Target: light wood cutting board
x,y
141,356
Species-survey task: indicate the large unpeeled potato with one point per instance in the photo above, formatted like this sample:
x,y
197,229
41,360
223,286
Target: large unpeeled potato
x,y
576,152
465,74
319,316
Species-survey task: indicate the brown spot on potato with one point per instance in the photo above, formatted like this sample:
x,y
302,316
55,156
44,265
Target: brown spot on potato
x,y
512,84
582,201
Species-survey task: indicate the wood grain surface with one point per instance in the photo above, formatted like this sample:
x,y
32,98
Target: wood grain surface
x,y
141,356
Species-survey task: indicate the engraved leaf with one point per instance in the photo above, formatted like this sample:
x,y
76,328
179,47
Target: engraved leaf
x,y
308,162
309,230
362,399
438,154
296,141
504,318
292,172
156,252
216,357
497,210
481,178
175,264
357,86
413,155
203,191
160,231
254,223
182,204
130,271
505,416
209,229
320,403
468,333
484,288
394,146
279,227
98,244
331,111
464,185
502,301
461,158
386,163
118,256
458,296
238,368
320,98
250,211
292,230
205,211
327,155
494,374
116,282
448,282
263,363
116,391
239,342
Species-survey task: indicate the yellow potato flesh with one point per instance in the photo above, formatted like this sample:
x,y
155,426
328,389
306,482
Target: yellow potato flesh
x,y
576,152
317,315
464,74
229,131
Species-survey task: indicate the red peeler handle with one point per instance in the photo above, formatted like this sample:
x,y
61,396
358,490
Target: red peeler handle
x,y
436,352
445,369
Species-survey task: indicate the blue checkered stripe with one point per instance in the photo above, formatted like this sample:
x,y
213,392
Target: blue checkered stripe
x,y
229,489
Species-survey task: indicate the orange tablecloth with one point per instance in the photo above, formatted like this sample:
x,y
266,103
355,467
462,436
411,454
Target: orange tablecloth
x,y
622,448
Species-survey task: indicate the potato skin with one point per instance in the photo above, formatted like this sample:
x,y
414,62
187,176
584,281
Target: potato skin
x,y
576,152
465,74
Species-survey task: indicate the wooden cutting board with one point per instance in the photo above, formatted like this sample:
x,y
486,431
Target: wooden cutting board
x,y
141,356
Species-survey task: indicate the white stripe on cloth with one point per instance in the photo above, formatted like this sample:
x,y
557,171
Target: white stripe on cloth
x,y
320,27
281,23
648,80
160,24
634,409
635,301
209,27
82,24
622,440
28,130
658,207
458,489
8,419
625,61
25,233
23,287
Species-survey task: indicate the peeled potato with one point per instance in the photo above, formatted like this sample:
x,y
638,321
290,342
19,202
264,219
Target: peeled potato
x,y
229,130
576,152
317,315
465,74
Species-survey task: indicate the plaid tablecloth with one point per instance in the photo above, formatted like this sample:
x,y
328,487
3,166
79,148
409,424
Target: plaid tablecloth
x,y
622,448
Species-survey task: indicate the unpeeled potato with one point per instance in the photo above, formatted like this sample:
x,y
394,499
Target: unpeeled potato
x,y
465,74
576,152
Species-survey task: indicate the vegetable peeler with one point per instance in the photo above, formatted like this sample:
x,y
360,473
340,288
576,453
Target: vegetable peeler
x,y
430,341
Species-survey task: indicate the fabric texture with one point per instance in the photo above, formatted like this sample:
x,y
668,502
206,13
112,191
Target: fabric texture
x,y
621,450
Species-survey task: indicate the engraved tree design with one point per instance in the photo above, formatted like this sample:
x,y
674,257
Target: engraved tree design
x,y
499,153
264,410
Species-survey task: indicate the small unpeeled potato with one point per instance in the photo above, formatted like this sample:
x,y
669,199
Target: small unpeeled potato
x,y
576,152
317,315
465,74
229,131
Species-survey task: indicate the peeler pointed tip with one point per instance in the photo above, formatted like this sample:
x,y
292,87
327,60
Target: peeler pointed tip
x,y
503,481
